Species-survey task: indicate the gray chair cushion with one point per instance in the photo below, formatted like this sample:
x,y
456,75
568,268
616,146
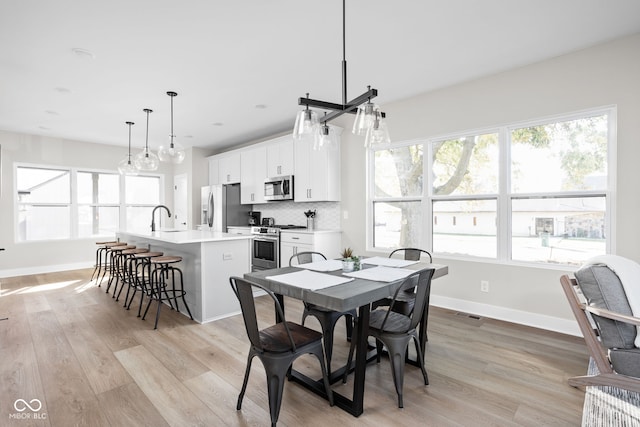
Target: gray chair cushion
x,y
626,361
602,288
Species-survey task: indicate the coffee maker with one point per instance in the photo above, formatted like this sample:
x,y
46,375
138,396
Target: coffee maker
x,y
254,218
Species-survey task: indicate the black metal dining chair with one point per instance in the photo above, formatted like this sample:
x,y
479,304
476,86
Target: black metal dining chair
x,y
395,330
405,301
327,317
276,346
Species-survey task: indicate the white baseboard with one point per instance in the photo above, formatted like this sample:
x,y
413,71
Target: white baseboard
x,y
44,269
569,327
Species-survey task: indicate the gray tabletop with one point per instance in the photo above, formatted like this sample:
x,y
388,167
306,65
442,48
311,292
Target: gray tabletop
x,y
342,297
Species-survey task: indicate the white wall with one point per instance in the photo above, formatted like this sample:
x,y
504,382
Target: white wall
x,y
604,75
32,257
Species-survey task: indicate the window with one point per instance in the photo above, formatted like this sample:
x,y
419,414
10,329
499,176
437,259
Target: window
x,y
142,194
98,203
44,203
397,202
57,203
535,192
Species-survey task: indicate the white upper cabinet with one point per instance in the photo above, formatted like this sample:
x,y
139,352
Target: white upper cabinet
x,y
229,168
280,156
214,170
317,173
253,168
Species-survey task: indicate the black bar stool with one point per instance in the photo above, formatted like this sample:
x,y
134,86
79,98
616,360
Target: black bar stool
x,y
114,264
127,270
163,272
102,260
142,276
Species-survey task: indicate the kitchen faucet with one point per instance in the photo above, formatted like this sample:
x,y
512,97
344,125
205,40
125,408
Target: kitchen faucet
x,y
153,214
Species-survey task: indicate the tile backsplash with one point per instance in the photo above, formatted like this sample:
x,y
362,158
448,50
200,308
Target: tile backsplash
x,y
327,213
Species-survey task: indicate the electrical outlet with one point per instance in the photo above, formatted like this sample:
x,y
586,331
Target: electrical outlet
x,y
345,214
484,286
227,256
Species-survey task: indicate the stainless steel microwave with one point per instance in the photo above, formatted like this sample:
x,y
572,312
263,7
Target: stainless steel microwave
x,y
278,188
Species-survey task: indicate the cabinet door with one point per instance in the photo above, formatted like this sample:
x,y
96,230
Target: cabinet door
x,y
287,250
229,167
317,173
252,174
214,171
280,157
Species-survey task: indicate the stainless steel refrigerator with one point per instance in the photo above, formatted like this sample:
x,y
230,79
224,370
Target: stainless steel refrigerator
x,y
221,207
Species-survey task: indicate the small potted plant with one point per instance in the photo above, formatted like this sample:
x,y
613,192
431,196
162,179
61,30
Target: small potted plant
x,y
348,262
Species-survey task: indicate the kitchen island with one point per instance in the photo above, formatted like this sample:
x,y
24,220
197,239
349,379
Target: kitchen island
x,y
209,258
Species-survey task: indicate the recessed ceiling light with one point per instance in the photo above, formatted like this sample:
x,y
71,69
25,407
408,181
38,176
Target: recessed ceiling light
x,y
218,124
62,90
188,136
83,53
44,128
53,113
261,106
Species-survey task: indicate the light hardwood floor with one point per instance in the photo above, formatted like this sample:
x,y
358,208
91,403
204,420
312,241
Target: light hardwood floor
x,y
92,363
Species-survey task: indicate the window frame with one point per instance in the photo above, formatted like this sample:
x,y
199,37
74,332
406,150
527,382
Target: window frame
x,y
74,205
504,197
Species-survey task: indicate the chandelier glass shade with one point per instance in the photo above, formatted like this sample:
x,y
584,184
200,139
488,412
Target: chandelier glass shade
x,y
146,160
377,133
126,165
174,152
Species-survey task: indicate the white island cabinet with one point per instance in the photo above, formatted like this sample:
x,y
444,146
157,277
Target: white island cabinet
x,y
209,258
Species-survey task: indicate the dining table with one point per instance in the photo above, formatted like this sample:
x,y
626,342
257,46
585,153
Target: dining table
x,y
342,291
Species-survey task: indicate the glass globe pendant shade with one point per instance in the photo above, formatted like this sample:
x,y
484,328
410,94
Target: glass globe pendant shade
x,y
364,118
173,153
126,167
378,133
146,160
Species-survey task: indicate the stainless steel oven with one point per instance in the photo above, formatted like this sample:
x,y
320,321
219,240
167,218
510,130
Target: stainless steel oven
x,y
265,252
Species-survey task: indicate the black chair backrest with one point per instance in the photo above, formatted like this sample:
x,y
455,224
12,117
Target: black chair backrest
x,y
305,257
421,281
412,254
244,292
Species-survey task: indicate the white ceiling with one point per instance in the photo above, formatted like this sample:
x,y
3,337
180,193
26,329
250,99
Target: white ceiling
x,y
224,58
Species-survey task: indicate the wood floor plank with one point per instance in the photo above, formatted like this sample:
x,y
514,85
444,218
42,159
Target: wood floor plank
x,y
221,397
175,402
101,367
20,379
174,356
129,406
70,399
105,319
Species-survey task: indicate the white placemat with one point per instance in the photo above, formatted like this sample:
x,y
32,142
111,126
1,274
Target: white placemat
x,y
381,274
324,265
307,279
387,262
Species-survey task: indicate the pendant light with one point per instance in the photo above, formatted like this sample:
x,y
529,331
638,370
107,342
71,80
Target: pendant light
x,y
126,165
367,112
146,160
174,153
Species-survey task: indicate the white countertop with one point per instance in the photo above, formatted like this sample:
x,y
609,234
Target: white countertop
x,y
186,236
